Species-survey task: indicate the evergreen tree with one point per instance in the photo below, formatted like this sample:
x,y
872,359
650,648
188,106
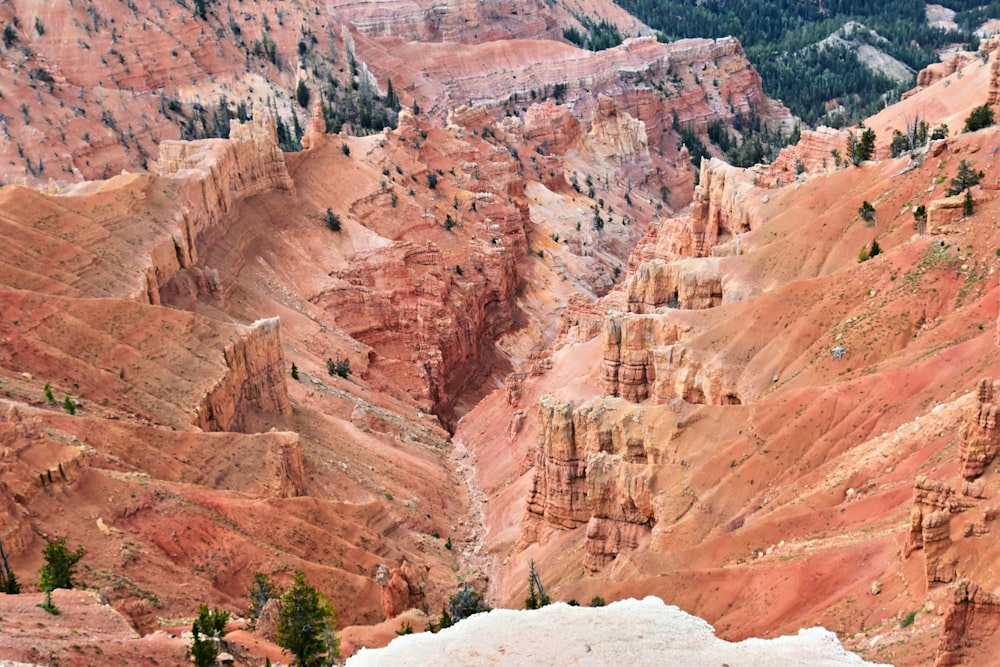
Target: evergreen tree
x,y
332,220
206,631
302,94
967,204
8,580
966,177
306,624
867,211
466,602
981,116
262,588
537,597
59,565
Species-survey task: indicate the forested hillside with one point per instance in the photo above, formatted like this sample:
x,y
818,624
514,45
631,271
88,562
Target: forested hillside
x,y
780,38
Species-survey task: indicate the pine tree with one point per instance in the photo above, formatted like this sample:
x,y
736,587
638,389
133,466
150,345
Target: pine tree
x,y
332,220
537,597
967,204
8,580
206,631
867,211
59,565
302,94
966,177
306,624
261,590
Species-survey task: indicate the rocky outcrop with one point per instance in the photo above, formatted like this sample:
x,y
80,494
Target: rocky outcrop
x,y
628,368
645,357
640,75
615,135
972,619
993,92
591,467
558,494
930,528
720,212
551,126
688,284
935,503
942,214
811,155
979,437
206,178
621,499
255,381
462,21
402,588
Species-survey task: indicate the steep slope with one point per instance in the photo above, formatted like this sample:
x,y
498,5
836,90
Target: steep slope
x,y
760,413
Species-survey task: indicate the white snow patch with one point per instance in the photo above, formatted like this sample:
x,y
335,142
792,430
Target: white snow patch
x,y
628,632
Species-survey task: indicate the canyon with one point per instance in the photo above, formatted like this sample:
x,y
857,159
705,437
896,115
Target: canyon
x,y
551,345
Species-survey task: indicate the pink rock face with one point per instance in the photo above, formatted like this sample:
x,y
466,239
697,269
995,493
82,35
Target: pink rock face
x,y
972,619
980,436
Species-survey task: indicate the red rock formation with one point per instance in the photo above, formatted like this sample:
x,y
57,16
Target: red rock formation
x,y
591,467
402,589
620,497
689,284
551,126
980,436
970,624
256,378
993,93
813,154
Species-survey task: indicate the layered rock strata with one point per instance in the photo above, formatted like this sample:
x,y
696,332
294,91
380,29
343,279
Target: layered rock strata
x,y
255,381
592,467
979,437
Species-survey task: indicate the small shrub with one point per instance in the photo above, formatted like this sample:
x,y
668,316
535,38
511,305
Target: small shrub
x,y
867,212
295,371
48,605
432,180
345,149
68,405
447,544
341,367
597,601
466,602
908,619
48,394
332,220
302,96
458,269
981,116
449,223
405,629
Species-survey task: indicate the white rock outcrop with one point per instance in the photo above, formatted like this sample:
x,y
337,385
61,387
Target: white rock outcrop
x,y
629,632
